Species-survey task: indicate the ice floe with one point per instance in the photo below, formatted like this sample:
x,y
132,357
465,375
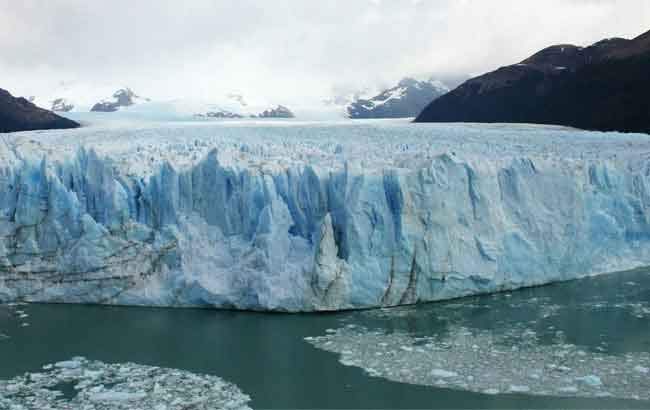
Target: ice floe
x,y
486,362
80,383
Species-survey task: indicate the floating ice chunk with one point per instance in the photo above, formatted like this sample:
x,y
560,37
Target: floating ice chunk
x,y
591,380
443,373
68,364
93,374
518,389
568,389
642,369
117,396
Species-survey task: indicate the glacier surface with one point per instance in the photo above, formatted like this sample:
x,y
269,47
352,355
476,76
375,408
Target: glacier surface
x,y
307,216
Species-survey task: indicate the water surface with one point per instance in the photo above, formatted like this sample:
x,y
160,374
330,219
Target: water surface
x,y
266,355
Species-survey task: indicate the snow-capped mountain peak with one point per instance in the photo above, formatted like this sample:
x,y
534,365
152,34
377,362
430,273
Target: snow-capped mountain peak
x,y
406,99
62,105
124,97
74,96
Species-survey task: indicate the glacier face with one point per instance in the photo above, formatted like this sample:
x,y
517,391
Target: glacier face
x,y
304,217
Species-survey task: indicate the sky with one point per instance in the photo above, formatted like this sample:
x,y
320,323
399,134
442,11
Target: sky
x,y
286,50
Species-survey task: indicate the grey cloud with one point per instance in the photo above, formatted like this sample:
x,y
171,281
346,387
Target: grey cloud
x,y
204,46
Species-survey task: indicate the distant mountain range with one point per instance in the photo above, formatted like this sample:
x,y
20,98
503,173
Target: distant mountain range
x,y
278,112
71,97
406,99
236,106
74,96
19,114
605,86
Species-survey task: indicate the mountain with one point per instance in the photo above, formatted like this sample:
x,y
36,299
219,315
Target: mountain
x,y
19,114
278,112
602,87
72,96
406,99
235,106
219,114
124,97
62,105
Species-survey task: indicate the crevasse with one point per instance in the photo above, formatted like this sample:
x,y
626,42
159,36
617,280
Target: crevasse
x,y
308,239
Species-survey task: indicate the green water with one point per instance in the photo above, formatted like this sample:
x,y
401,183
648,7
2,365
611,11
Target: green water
x,y
267,357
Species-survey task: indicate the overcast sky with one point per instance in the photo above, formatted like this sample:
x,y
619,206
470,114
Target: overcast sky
x,y
283,48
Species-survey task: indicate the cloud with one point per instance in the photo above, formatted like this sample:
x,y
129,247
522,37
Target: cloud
x,y
286,49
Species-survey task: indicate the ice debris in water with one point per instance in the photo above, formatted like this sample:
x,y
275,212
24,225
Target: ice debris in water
x,y
486,362
92,385
13,312
443,373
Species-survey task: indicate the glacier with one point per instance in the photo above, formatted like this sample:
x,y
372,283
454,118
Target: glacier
x,y
306,216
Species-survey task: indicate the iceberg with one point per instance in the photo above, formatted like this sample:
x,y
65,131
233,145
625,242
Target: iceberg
x,y
309,217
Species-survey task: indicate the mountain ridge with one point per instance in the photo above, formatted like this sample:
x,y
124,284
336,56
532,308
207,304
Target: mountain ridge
x,y
600,87
19,114
404,100
124,97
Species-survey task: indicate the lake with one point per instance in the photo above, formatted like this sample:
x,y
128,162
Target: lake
x,y
268,358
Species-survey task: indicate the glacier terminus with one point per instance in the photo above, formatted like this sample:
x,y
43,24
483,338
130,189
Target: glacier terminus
x,y
301,216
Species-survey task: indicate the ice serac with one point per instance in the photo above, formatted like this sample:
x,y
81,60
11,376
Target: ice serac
x,y
301,239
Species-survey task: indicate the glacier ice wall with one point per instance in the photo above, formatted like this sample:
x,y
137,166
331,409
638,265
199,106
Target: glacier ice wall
x,y
304,239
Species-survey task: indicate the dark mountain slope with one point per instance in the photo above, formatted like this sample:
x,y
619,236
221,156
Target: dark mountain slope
x,y
18,114
601,87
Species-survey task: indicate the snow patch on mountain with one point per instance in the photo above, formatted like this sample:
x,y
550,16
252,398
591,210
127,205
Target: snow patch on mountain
x,y
406,99
62,105
122,98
